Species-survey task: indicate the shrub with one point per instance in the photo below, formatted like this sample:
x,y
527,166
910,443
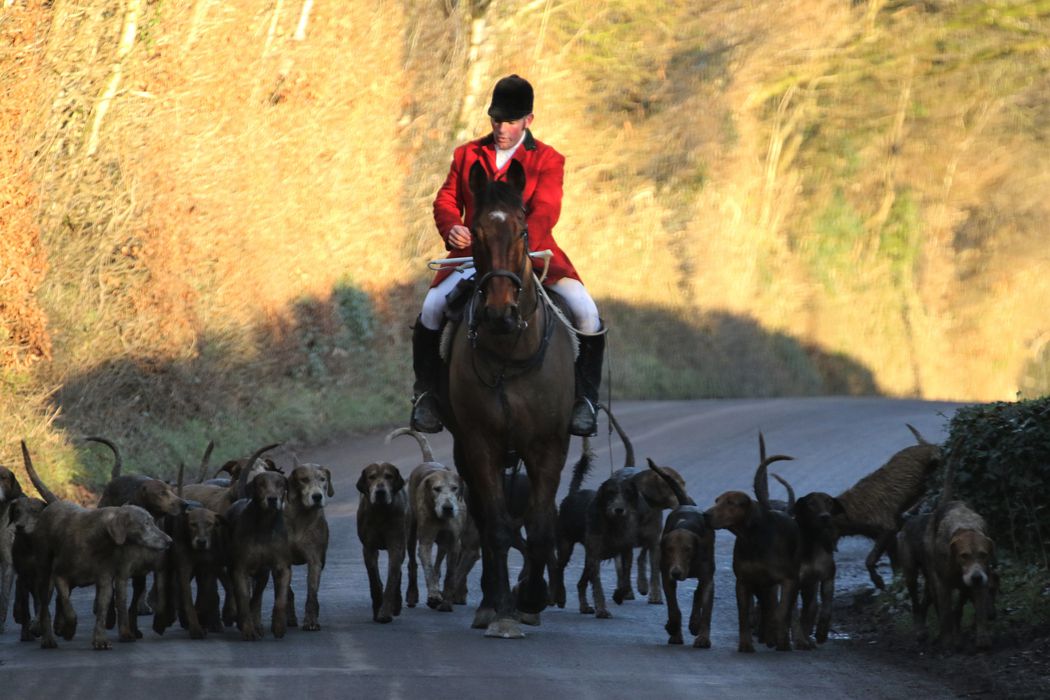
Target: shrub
x,y
1000,454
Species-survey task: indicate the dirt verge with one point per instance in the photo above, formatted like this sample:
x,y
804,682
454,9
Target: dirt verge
x,y
1016,668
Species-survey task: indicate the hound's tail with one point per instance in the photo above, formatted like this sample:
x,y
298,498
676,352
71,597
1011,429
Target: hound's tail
x,y
918,435
178,480
203,473
242,481
424,444
679,493
628,460
791,492
45,492
761,478
582,466
118,463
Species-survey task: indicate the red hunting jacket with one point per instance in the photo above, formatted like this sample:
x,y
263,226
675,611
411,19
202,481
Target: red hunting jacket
x,y
544,171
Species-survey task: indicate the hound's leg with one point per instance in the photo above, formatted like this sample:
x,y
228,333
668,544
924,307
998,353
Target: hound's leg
x,y
103,596
311,622
245,618
642,582
375,584
426,558
743,611
282,578
655,573
623,589
674,613
412,594
703,599
827,599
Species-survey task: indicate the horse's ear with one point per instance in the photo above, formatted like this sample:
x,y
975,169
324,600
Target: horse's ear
x,y
516,175
478,180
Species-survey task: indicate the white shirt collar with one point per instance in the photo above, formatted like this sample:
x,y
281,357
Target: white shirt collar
x,y
502,156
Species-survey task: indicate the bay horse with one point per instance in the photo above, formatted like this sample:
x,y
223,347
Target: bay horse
x,y
510,392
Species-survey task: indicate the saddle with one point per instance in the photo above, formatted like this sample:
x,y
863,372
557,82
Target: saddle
x,y
459,297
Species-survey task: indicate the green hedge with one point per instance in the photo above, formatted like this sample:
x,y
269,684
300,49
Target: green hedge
x,y
1000,454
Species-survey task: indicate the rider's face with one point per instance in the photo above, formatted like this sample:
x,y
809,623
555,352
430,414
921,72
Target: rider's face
x,y
506,134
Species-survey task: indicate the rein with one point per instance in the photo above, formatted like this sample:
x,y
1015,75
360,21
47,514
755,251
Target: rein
x,y
510,368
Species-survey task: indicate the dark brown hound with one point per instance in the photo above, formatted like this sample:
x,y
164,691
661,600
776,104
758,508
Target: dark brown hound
x,y
510,387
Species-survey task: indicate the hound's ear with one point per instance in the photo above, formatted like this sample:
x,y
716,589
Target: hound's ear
x,y
230,468
478,180
117,527
328,475
837,508
399,481
362,485
516,175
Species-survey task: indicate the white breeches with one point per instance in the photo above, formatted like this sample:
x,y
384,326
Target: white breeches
x,y
582,306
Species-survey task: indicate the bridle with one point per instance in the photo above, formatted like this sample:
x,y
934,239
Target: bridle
x,y
509,367
517,279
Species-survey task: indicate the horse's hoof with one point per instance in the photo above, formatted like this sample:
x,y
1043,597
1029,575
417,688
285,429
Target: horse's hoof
x,y
483,618
702,643
531,598
531,619
603,614
504,628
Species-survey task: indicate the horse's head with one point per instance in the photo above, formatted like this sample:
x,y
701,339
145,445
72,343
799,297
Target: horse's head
x,y
501,246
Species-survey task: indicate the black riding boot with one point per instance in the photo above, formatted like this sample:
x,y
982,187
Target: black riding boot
x,y
588,378
426,362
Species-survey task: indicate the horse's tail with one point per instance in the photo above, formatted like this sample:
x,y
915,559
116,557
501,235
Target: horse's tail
x,y
628,460
118,463
582,466
45,492
424,444
679,493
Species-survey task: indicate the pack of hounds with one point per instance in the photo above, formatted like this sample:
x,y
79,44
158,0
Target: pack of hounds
x,y
230,534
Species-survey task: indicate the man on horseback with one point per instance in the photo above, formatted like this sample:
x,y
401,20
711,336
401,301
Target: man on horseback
x,y
510,113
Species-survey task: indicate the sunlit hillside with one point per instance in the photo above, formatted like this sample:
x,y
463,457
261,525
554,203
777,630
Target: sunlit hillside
x,y
215,215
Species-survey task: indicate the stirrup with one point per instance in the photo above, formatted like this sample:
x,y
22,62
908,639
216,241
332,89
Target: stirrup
x,y
584,421
425,414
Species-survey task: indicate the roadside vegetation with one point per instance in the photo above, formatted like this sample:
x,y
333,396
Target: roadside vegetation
x,y
996,456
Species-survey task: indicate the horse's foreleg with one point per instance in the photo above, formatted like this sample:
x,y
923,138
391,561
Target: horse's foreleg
x,y
487,506
540,524
533,594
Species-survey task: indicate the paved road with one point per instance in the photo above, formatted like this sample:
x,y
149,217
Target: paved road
x,y
435,655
